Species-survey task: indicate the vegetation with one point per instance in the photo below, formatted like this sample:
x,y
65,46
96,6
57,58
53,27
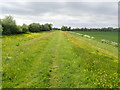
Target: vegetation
x,y
109,29
1,29
58,59
111,36
65,28
25,28
9,27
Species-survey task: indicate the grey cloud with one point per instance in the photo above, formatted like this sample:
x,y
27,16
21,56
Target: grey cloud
x,y
33,8
70,8
98,13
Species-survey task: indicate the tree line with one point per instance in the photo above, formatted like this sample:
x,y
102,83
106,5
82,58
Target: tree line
x,y
66,28
8,26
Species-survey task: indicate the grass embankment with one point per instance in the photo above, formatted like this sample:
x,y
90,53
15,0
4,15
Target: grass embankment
x,y
58,60
111,36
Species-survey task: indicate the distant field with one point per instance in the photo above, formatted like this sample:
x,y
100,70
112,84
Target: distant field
x,y
112,36
58,59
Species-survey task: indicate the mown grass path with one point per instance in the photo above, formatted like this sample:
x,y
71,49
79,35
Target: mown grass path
x,y
57,59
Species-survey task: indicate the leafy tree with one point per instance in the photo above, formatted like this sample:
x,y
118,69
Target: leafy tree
x,y
9,25
47,27
69,28
56,28
34,27
65,28
1,28
25,28
20,29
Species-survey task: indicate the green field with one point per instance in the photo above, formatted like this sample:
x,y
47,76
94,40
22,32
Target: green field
x,y
58,59
111,36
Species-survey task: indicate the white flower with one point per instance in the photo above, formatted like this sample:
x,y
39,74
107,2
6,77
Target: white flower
x,y
9,57
87,36
92,37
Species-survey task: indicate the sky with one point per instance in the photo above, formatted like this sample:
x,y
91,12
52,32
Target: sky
x,y
89,13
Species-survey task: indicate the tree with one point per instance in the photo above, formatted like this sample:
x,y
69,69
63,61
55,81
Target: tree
x,y
9,25
65,28
56,28
69,28
19,29
1,28
47,27
34,27
25,28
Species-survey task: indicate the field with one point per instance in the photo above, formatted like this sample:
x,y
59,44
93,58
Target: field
x,y
111,36
58,59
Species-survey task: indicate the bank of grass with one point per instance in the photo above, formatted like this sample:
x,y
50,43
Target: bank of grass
x,y
96,62
111,36
58,59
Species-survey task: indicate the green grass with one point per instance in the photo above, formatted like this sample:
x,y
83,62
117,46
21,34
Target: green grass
x,y
111,36
58,59
0,62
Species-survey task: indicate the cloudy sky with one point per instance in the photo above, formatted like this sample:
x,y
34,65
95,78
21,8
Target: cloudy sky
x,y
74,14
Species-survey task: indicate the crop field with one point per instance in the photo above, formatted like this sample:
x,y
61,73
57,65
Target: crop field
x,y
58,59
111,36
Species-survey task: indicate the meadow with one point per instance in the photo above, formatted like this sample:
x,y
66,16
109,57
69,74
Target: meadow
x,y
111,36
58,59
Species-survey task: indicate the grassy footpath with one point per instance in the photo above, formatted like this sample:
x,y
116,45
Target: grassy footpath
x,y
58,59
